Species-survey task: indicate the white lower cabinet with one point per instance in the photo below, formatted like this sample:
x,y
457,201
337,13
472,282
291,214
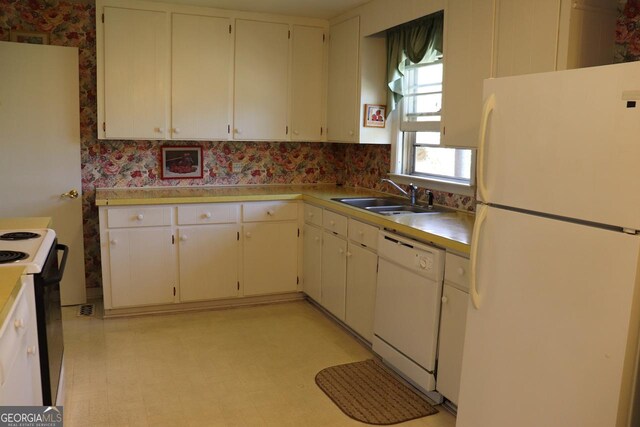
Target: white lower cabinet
x,y
455,299
142,266
334,274
362,273
311,261
209,259
270,257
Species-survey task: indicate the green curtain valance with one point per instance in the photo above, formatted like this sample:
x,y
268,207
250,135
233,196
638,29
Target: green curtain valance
x,y
418,40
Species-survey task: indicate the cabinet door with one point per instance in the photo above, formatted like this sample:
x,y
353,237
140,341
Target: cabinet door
x,y
201,66
312,257
362,273
270,261
342,102
334,274
468,58
136,73
261,80
208,262
526,36
452,326
142,267
307,83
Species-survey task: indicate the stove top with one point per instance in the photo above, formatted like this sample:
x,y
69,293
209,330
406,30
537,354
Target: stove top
x,y
27,248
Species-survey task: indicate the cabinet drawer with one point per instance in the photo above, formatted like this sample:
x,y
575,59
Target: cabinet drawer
x,y
138,217
269,211
313,215
363,233
14,328
456,271
214,213
335,223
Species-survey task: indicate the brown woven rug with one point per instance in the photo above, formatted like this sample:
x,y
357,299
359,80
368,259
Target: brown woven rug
x,y
368,393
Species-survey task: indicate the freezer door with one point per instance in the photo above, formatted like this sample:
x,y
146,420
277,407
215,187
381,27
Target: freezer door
x,y
553,341
565,143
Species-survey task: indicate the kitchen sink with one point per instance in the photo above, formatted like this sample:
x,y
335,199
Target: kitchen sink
x,y
391,206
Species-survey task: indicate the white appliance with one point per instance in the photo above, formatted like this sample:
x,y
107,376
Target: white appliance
x,y
407,309
37,251
553,321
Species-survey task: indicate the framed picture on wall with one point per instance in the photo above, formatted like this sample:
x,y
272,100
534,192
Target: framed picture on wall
x,y
374,115
181,162
28,37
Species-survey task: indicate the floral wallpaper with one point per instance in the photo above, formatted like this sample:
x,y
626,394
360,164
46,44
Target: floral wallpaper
x,y
628,32
136,163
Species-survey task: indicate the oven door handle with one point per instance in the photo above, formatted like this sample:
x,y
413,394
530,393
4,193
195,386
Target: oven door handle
x,y
58,277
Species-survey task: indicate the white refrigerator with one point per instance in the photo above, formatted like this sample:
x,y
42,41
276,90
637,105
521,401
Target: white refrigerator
x,y
554,314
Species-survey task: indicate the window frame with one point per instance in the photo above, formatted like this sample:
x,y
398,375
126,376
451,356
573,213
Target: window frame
x,y
424,126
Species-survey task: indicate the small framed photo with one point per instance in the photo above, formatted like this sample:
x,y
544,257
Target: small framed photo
x,y
374,115
29,37
181,162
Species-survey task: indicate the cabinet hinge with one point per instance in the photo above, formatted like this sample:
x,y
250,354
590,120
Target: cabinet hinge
x,y
323,37
238,285
238,235
289,34
320,130
297,280
103,18
287,130
173,239
444,130
298,232
229,28
104,126
228,128
174,291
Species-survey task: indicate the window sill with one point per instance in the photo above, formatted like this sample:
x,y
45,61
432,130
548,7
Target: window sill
x,y
435,184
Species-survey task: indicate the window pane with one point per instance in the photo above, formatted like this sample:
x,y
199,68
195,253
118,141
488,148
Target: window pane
x,y
446,162
430,138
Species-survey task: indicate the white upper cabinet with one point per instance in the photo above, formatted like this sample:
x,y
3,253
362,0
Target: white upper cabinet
x,y
136,55
467,62
548,35
201,73
261,81
343,103
307,83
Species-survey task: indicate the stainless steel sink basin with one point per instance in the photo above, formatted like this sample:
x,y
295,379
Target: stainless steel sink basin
x,y
391,206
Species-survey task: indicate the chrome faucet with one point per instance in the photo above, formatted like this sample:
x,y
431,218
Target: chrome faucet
x,y
411,194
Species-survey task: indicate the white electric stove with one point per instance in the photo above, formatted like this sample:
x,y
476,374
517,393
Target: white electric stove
x,y
28,248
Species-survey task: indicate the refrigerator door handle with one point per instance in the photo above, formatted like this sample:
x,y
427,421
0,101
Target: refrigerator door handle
x,y
488,107
475,244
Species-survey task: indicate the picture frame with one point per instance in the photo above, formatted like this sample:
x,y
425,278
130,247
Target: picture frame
x,y
181,162
28,37
374,116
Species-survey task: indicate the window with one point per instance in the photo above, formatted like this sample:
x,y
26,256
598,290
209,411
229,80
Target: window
x,y
424,158
422,102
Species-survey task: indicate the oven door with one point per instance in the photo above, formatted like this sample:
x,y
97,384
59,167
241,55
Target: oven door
x,y
49,317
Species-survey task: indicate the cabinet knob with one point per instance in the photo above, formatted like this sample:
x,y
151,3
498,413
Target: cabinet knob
x,y
270,212
351,133
176,130
184,237
295,132
332,222
360,233
207,215
159,130
237,131
348,254
445,299
460,271
310,214
113,241
18,323
317,239
247,235
341,251
139,217
31,350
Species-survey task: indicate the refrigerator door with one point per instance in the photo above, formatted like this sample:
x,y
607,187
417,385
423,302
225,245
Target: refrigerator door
x,y
565,143
554,340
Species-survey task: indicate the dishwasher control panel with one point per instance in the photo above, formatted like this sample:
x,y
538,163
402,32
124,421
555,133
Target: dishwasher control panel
x,y
424,259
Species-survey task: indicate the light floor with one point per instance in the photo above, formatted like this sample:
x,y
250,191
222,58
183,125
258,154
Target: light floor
x,y
239,367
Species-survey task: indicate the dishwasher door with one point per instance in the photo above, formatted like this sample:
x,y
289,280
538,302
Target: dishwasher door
x,y
407,310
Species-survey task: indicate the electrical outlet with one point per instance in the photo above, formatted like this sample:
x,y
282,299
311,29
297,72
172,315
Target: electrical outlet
x,y
236,167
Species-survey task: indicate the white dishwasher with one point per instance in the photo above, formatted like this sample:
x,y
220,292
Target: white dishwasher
x,y
407,310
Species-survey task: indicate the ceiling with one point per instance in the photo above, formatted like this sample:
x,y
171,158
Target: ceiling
x,y
323,9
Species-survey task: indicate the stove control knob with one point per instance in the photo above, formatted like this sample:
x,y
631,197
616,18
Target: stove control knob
x,y
140,217
18,323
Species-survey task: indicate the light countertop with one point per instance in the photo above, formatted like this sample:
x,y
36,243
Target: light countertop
x,y
449,230
10,276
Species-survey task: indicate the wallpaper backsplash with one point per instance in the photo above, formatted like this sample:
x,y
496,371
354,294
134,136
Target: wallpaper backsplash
x,y
135,163
628,32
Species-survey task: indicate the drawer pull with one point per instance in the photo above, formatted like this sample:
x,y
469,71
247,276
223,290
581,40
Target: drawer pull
x,y
270,213
207,215
332,222
139,217
360,233
310,214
